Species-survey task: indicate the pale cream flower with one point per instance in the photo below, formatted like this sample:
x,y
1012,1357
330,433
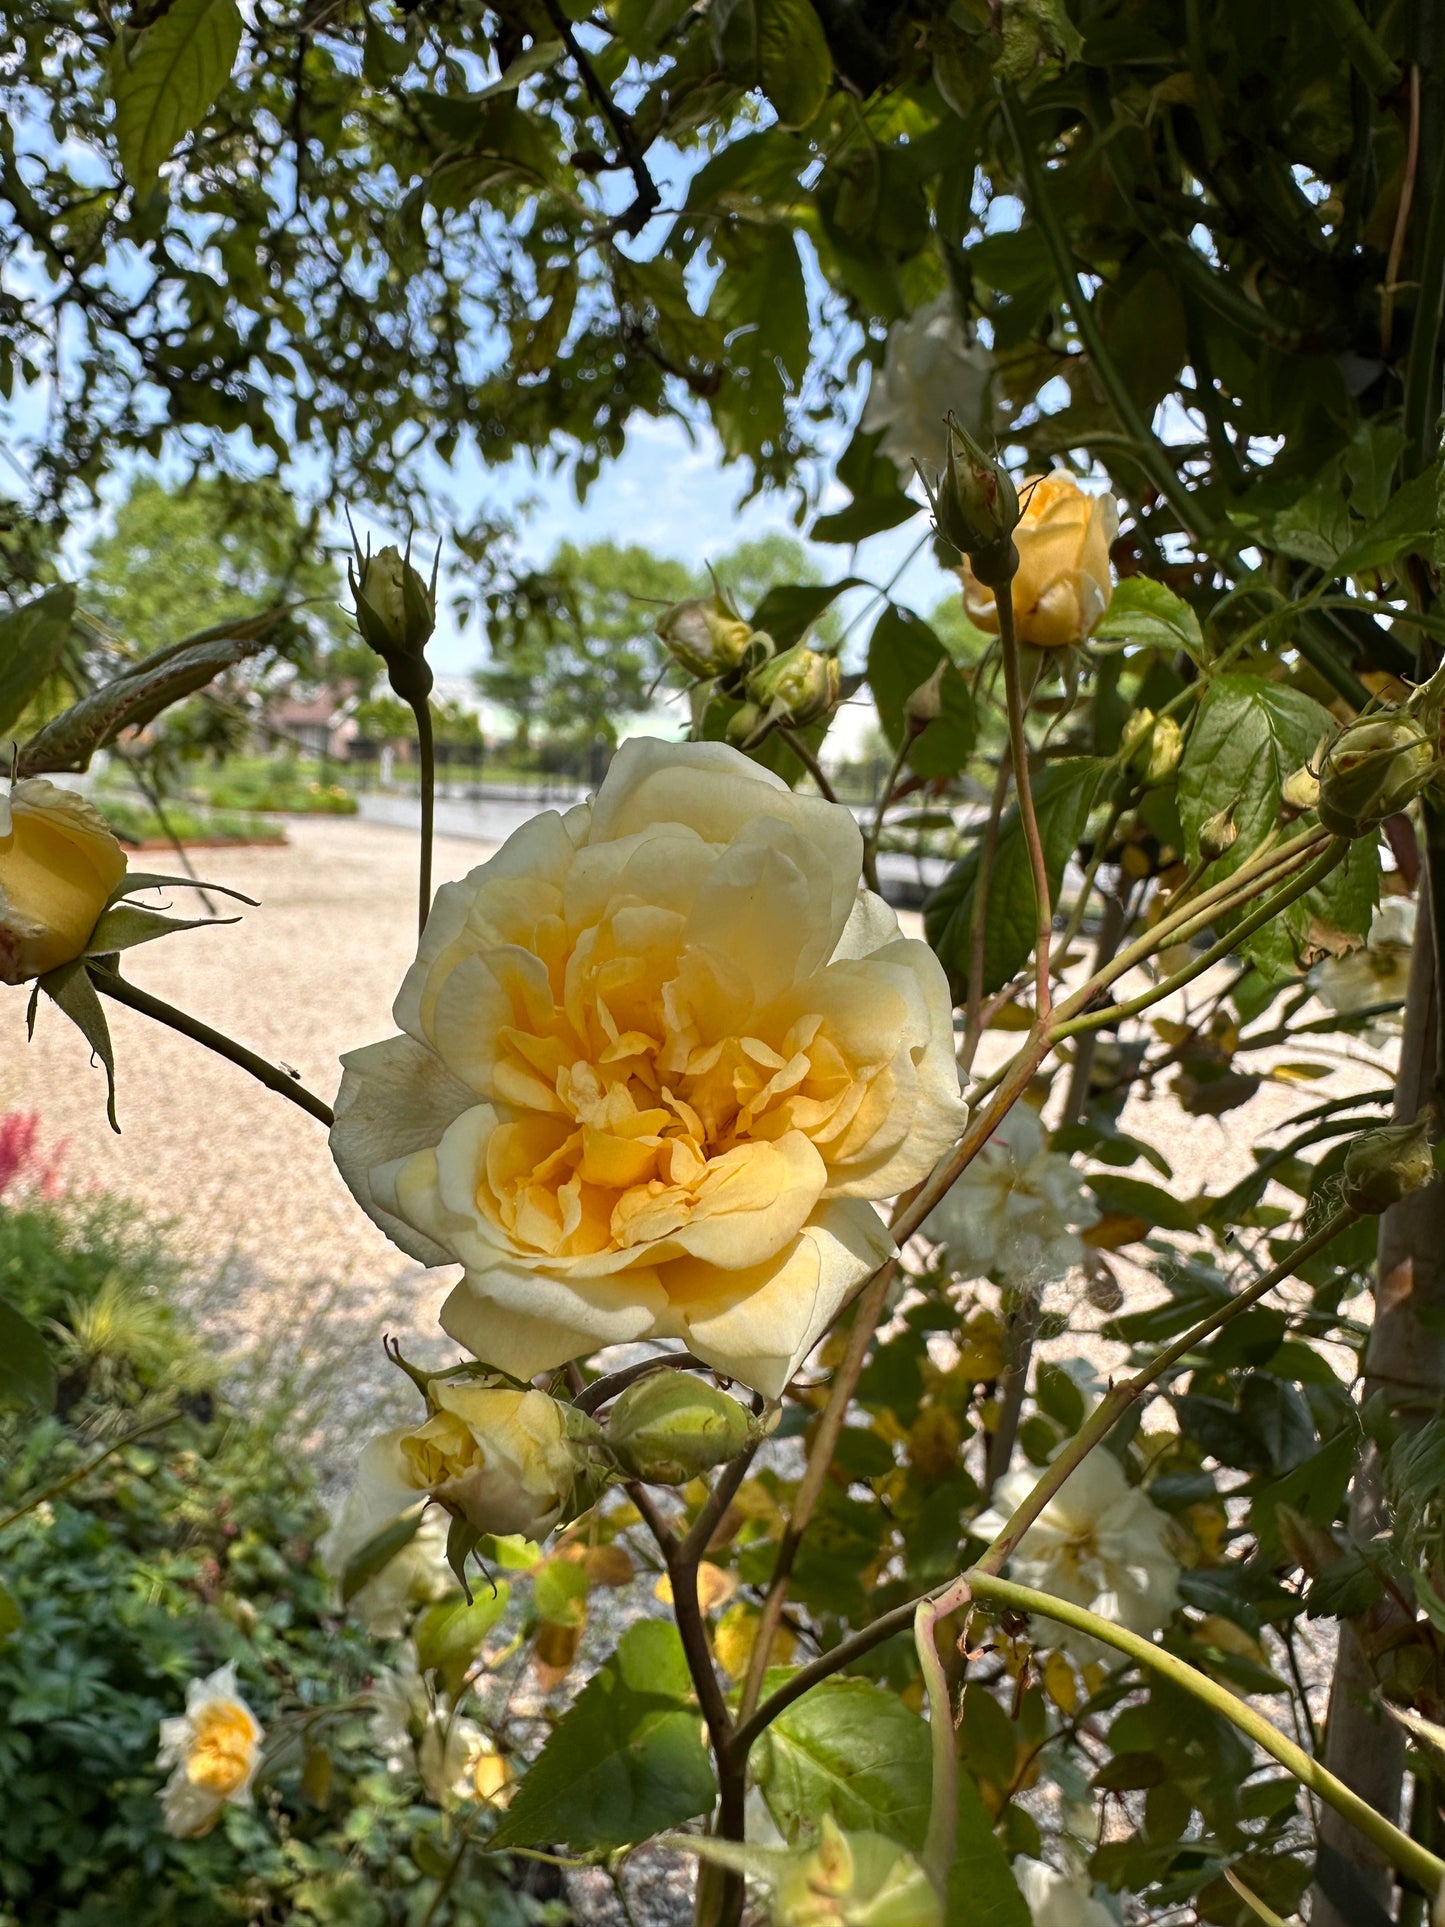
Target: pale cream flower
x,y
1377,973
498,1458
1059,1899
1015,1214
1064,582
59,864
928,369
659,1055
417,1575
421,1735
214,1748
1099,1543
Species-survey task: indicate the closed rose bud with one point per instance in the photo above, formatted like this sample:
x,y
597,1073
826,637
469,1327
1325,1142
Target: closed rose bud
x,y
396,614
669,1427
499,1459
1373,768
705,634
925,705
1063,583
1154,745
798,687
977,507
1383,1166
1217,834
59,864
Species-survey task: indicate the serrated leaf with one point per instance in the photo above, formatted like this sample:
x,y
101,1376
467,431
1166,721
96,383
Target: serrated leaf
x,y
69,740
378,1552
903,652
27,1377
70,989
1142,610
626,1761
165,78
1063,796
32,640
1408,520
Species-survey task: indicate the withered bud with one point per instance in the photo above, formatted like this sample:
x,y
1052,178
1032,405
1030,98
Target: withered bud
x,y
1383,1166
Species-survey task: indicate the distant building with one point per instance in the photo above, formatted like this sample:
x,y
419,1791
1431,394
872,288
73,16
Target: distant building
x,y
323,724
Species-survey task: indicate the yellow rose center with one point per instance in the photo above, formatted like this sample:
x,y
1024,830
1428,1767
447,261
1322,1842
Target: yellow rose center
x,y
442,1449
222,1751
652,1088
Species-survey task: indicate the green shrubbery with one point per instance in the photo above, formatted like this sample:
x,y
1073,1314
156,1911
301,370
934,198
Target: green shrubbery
x,y
189,1546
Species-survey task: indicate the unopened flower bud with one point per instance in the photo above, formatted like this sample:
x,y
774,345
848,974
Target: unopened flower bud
x,y
1217,834
925,705
1300,790
976,507
1383,1166
669,1427
1373,768
501,1460
746,725
798,687
396,614
1154,745
705,634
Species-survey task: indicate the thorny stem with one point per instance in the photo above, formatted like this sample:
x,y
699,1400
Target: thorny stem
x,y
1028,818
1398,1848
115,986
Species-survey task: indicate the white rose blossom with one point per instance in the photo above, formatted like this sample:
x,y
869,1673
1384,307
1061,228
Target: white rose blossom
x,y
214,1748
1016,1212
928,369
1377,973
1059,1899
380,1494
422,1737
659,1054
1099,1543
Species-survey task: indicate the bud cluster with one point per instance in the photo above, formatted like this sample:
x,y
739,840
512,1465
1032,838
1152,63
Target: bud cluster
x,y
769,688
1373,768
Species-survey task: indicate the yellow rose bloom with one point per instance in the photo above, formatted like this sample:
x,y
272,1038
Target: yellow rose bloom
x,y
1063,584
214,1748
659,1053
497,1457
58,865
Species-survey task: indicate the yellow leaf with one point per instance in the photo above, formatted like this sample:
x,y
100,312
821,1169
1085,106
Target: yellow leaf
x,y
1060,1684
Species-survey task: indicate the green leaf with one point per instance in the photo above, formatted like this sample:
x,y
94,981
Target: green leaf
x,y
1133,1198
69,740
789,609
449,1635
982,1891
11,1616
378,1552
1142,610
70,988
626,1762
851,1749
903,652
32,640
164,79
27,1377
559,1592
1247,738
1063,795
1408,520
777,46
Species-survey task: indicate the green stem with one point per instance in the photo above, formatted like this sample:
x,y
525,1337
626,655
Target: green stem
x,y
426,752
941,1840
123,992
885,797
1028,818
1398,1848
54,1491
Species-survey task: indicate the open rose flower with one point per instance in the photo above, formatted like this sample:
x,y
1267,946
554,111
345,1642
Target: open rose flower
x,y
1063,584
59,864
214,1748
659,1054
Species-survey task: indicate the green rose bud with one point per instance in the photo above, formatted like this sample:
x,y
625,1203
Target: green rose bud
x,y
798,687
705,634
1373,768
396,614
1154,745
1383,1166
1217,834
976,508
669,1427
1300,791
